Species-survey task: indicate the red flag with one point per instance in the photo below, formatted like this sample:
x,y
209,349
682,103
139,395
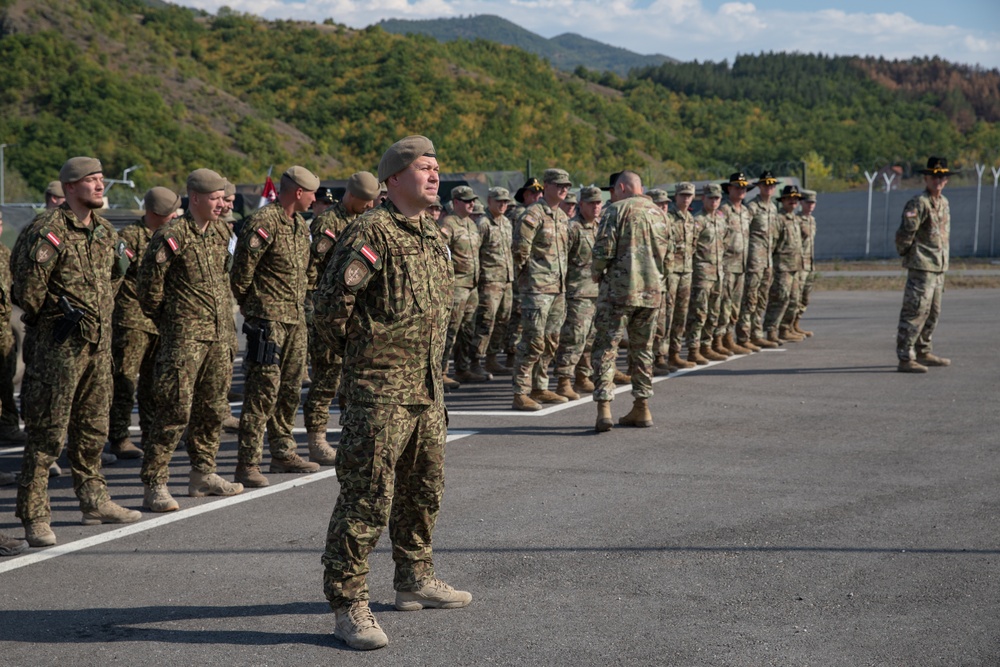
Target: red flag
x,y
269,194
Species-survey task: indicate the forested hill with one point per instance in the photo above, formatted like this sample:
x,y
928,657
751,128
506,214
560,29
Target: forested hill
x,y
566,52
171,89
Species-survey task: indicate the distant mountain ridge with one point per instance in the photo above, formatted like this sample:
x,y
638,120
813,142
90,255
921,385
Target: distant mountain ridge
x,y
566,52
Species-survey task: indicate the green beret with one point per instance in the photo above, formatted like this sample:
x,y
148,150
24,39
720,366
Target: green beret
x,y
205,181
557,176
684,188
303,178
54,189
712,190
79,167
500,194
659,196
464,193
161,201
363,185
402,154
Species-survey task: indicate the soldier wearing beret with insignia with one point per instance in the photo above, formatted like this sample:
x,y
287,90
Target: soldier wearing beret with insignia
x,y
922,240
383,303
65,282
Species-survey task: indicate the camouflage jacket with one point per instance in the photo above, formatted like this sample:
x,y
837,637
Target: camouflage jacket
x,y
787,248
737,236
5,279
269,268
496,262
60,257
763,220
383,306
464,241
629,251
580,284
183,283
682,233
325,230
541,241
709,245
923,235
128,313
807,223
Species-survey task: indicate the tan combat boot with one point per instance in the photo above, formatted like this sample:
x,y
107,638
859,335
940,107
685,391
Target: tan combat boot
x,y
639,415
494,366
768,342
11,546
583,384
435,594
675,362
450,383
524,403
622,378
710,354
565,389
474,375
124,449
604,422
799,330
355,625
293,464
748,344
320,450
250,476
546,396
209,484
786,334
156,498
719,346
39,534
660,362
694,356
109,512
730,342
231,424
933,360
910,366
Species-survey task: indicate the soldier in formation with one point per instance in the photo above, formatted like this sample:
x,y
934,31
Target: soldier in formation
x,y
496,280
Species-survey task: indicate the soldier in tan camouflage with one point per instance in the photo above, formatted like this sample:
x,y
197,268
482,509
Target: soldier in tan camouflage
x,y
709,248
734,264
786,251
678,266
496,277
64,282
757,279
807,277
922,240
524,197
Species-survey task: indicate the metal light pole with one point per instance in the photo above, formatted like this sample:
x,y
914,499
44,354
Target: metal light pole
x,y
888,182
868,230
980,168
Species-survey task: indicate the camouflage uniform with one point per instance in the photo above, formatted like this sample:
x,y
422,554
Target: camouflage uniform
x,y
496,278
710,248
577,334
672,318
71,382
923,242
9,419
757,280
808,275
183,287
326,366
463,240
134,343
540,246
632,242
382,305
269,282
733,263
787,263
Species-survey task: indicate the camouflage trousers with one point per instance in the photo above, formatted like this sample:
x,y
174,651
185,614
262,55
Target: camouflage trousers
x,y
920,312
755,289
271,395
461,328
781,299
513,334
492,317
576,337
611,323
133,356
191,382
27,350
807,280
70,394
326,368
542,316
672,316
8,369
390,465
703,310
729,303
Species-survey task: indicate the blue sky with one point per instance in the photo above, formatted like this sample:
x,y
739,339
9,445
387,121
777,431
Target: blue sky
x,y
964,31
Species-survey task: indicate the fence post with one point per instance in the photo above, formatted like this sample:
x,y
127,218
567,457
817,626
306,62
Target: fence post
x,y
980,168
993,210
888,181
868,230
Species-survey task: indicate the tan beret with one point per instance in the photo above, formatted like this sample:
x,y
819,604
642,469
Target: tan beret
x,y
500,194
684,188
54,189
303,178
557,176
363,185
205,181
402,154
162,201
79,167
230,188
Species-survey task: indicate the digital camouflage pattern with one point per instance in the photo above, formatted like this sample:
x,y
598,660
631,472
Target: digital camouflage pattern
x,y
464,242
577,334
542,317
734,264
787,264
922,240
496,275
541,244
757,282
710,248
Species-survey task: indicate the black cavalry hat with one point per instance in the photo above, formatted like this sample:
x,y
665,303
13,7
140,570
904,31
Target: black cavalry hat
x,y
937,166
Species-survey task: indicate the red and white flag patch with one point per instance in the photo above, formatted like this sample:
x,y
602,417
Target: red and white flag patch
x,y
263,233
53,239
369,254
329,232
172,242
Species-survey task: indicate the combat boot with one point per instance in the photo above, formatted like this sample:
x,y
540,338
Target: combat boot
x,y
719,346
695,356
449,383
524,403
765,343
109,512
604,422
157,498
495,367
565,388
11,546
933,360
320,450
622,378
710,354
231,424
583,384
639,415
124,449
435,594
730,342
108,459
39,534
774,338
799,330
910,366
546,396
474,375
674,360
294,464
7,478
54,469
509,361
355,625
209,484
660,362
12,433
748,344
250,476
786,334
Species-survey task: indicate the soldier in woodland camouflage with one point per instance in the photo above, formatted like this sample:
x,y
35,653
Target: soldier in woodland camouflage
x,y
710,232
10,424
64,282
757,279
496,277
786,250
807,277
382,304
923,241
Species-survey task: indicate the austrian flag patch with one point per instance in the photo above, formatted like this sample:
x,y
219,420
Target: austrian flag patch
x,y
369,254
329,232
53,239
172,242
128,251
263,233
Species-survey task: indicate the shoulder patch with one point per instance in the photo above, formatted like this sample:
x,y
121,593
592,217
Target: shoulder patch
x,y
329,232
53,239
910,213
173,243
263,233
369,254
355,272
44,251
322,245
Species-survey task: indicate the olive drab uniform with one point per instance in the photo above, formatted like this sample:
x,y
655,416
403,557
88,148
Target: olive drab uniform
x,y
382,304
269,282
70,393
183,287
757,279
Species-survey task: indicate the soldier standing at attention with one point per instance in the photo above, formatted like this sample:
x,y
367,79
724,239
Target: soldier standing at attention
x,y
10,421
540,247
679,265
496,277
269,282
525,196
786,250
390,282
734,262
709,241
362,190
922,240
808,276
569,205
135,339
631,244
757,278
65,285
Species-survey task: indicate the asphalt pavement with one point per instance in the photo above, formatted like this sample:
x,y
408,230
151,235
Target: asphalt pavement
x,y
808,506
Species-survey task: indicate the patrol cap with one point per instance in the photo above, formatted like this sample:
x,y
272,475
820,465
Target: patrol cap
x,y
684,188
808,195
591,193
790,192
402,154
205,181
659,196
161,201
464,193
570,198
303,178
437,203
363,185
230,189
54,189
477,208
500,194
76,168
556,176
712,190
